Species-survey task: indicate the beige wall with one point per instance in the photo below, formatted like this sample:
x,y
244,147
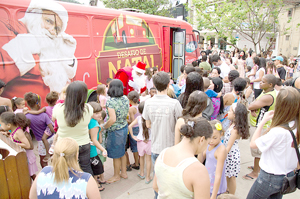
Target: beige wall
x,y
289,46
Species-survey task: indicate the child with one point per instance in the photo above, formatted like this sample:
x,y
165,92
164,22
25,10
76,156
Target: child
x,y
102,138
143,143
18,104
210,93
171,80
101,92
153,91
248,71
38,126
239,128
216,86
3,109
94,130
133,97
248,92
16,123
215,156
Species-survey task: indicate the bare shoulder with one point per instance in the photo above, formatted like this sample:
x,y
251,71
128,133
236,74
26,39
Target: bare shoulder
x,y
5,101
220,151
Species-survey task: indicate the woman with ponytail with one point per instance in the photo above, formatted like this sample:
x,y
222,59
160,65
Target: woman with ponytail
x,y
64,179
172,162
237,94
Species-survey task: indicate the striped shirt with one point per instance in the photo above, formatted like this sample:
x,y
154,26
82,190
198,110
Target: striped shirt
x,y
163,113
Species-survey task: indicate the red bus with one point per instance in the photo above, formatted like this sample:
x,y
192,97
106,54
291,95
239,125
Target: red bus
x,y
46,44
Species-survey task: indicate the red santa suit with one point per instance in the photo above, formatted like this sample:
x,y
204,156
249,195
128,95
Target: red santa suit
x,y
17,85
125,75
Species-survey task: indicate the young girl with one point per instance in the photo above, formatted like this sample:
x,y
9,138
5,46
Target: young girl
x,y
239,128
102,138
38,126
133,97
16,123
18,104
143,144
248,92
215,156
94,131
101,92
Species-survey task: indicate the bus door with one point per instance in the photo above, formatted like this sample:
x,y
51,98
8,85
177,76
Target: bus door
x,y
178,53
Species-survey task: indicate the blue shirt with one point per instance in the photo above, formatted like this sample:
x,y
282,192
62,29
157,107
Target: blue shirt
x,y
74,188
93,124
211,93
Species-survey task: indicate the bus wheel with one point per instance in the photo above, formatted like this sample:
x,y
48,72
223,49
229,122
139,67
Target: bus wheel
x,y
124,37
115,39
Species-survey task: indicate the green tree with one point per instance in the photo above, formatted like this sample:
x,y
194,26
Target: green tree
x,y
154,7
252,19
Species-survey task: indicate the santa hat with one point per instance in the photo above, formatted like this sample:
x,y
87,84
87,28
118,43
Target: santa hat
x,y
140,67
52,6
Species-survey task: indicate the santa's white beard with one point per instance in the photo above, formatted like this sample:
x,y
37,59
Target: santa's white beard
x,y
139,80
57,61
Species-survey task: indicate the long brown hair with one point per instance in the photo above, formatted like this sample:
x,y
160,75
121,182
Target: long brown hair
x,y
196,104
287,109
145,129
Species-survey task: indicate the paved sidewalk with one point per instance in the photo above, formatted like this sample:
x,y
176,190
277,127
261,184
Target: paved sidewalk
x,y
135,188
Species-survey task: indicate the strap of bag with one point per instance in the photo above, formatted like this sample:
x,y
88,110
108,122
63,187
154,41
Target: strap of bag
x,y
295,145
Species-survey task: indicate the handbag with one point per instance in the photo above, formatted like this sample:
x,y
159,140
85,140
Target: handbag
x,y
290,184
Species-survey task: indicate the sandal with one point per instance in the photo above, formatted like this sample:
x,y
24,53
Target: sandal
x,y
248,177
251,168
99,181
142,177
135,167
147,182
101,188
128,168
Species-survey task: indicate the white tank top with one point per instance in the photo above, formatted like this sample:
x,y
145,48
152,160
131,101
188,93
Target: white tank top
x,y
170,179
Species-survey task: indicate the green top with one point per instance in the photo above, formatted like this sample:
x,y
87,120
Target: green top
x,y
205,66
121,107
260,112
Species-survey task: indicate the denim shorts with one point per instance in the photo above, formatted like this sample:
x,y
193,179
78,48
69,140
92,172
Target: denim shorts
x,y
267,186
132,142
115,142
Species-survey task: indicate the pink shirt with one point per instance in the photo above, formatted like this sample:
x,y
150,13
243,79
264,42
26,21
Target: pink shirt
x,y
102,99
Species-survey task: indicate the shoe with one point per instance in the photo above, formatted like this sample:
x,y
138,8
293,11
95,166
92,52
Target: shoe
x,y
142,177
135,167
128,168
101,188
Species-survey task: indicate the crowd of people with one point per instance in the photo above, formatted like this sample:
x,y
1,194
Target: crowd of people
x,y
188,129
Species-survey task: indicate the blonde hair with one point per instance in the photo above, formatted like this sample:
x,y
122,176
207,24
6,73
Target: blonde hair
x,y
63,92
65,157
287,109
101,89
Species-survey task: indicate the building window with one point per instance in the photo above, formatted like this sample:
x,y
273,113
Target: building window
x,y
295,48
290,12
287,37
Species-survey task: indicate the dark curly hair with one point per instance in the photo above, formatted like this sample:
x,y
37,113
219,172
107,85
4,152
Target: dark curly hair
x,y
18,119
241,120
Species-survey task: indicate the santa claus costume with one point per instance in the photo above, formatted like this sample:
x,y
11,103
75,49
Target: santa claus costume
x,y
133,78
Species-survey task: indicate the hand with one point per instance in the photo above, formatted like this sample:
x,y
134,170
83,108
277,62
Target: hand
x,y
135,138
25,110
268,116
253,113
104,153
133,85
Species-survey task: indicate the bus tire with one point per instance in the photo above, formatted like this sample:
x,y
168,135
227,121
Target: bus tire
x,y
124,37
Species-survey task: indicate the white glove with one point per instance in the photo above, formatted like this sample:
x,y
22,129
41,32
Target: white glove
x,y
21,50
133,85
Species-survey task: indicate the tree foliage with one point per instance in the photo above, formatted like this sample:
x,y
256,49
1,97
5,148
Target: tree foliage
x,y
252,19
154,7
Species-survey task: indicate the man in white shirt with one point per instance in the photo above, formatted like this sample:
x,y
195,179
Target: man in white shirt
x,y
225,69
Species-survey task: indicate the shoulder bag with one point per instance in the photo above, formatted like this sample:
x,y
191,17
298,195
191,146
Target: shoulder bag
x,y
290,184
